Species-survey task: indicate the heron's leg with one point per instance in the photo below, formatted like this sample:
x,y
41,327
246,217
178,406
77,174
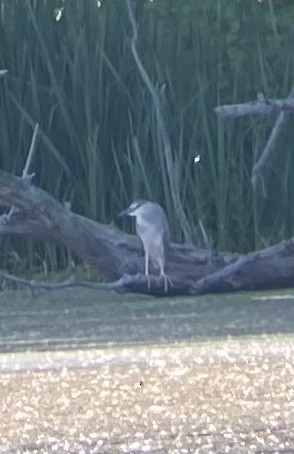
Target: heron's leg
x,y
166,279
147,268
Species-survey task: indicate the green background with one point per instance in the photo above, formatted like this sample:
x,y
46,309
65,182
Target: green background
x,y
98,146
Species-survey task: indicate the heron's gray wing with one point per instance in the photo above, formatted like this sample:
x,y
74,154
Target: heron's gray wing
x,y
166,238
142,227
165,230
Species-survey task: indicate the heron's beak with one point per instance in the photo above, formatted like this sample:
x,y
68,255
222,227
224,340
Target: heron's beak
x,y
124,213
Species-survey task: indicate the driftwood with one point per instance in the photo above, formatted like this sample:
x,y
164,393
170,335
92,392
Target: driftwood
x,y
119,256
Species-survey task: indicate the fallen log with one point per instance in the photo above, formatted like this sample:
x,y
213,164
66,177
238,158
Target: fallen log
x,y
119,256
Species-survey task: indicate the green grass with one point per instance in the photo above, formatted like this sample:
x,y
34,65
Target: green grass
x,y
98,145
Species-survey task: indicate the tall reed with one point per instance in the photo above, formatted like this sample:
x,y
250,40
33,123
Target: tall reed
x,y
97,146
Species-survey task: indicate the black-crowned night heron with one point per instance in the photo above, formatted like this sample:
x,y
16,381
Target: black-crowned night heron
x,y
153,230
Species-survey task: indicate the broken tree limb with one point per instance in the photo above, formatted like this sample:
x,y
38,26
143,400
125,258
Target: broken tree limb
x,y
259,168
12,282
119,256
262,106
40,215
258,107
272,267
131,283
110,251
25,172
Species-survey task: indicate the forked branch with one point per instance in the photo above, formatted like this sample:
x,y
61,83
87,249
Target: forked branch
x,y
262,106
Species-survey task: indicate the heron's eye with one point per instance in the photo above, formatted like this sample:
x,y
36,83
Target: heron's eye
x,y
134,205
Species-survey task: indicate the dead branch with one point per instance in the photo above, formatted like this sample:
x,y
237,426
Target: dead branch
x,y
135,283
25,172
110,251
262,107
162,130
259,168
10,281
270,268
258,107
119,257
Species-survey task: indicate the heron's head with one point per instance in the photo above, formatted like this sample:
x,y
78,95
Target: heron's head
x,y
135,208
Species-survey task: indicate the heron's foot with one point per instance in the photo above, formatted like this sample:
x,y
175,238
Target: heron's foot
x,y
148,281
162,276
166,281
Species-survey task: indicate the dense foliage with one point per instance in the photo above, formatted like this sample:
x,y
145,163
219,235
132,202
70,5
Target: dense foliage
x,y
71,70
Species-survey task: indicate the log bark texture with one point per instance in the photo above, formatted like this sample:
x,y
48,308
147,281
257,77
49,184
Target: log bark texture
x,y
119,256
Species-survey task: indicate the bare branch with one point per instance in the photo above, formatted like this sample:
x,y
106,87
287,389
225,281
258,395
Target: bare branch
x,y
8,280
162,130
31,152
264,107
135,283
25,174
259,168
